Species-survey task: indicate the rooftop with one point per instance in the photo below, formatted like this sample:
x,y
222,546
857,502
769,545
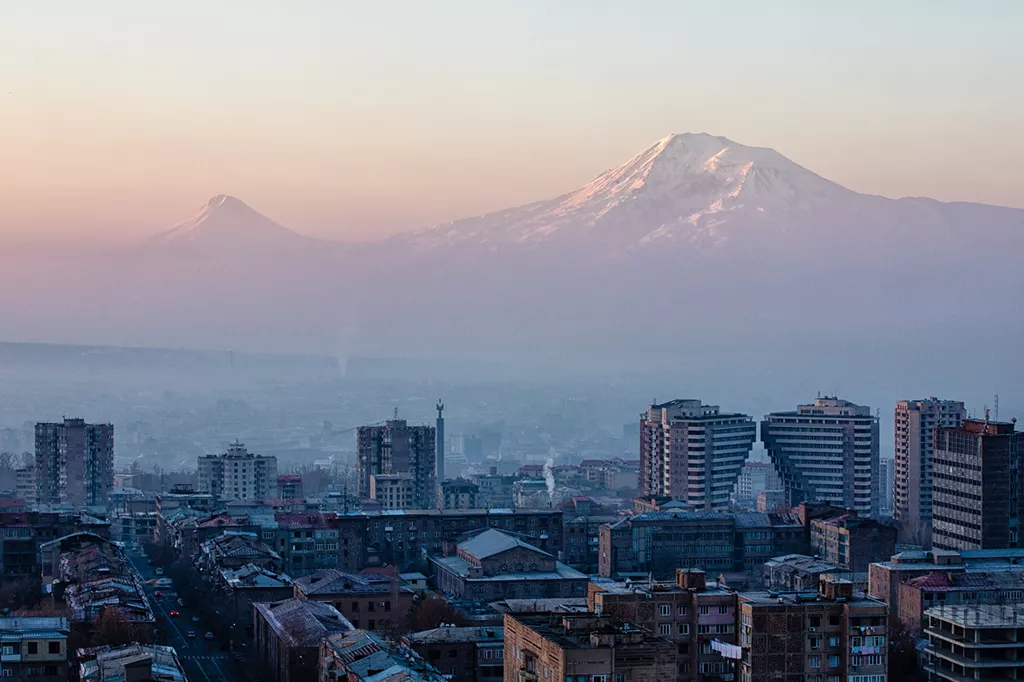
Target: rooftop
x,y
252,576
375,659
491,542
772,598
301,622
333,581
108,663
461,567
32,625
583,630
447,635
546,605
989,616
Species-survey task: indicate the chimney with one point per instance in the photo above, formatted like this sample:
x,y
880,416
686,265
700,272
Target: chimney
x,y
691,579
835,588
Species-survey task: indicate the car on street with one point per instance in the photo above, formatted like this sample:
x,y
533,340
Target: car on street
x,y
191,634
195,619
159,571
158,593
174,614
181,602
208,636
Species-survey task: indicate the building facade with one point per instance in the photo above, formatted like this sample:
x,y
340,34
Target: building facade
x,y
916,421
392,491
34,648
688,612
658,543
835,634
973,642
583,647
756,477
977,499
852,543
395,448
826,451
692,452
238,475
74,463
459,493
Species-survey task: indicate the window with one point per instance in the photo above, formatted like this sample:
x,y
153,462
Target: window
x,y
704,610
723,609
665,629
620,677
684,628
814,661
371,625
599,678
833,661
833,641
53,647
33,647
666,609
681,611
703,629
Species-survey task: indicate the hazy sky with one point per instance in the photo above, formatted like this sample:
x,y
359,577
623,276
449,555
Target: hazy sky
x,y
358,119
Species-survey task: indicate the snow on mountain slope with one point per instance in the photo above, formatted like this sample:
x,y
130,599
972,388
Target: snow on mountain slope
x,y
227,223
686,187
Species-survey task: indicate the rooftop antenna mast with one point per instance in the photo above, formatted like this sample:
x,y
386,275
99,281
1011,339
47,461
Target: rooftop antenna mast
x,y
396,411
995,405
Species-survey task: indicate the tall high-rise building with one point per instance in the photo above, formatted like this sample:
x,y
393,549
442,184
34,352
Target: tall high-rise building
x,y
397,448
826,451
26,485
692,452
238,475
74,463
916,421
976,486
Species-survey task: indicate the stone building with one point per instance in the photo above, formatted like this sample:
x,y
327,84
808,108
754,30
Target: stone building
x,y
688,612
370,601
463,654
493,564
584,647
852,542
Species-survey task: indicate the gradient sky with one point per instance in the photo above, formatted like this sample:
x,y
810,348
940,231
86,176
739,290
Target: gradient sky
x,y
353,120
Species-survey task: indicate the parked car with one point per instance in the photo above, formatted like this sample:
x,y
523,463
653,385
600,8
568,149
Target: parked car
x,y
208,636
158,593
159,571
191,634
175,614
195,619
181,602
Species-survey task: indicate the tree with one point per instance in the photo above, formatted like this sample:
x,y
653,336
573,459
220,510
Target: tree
x,y
114,629
903,659
431,612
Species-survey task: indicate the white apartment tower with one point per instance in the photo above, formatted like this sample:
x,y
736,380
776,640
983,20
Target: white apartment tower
x,y
692,452
238,475
826,451
916,421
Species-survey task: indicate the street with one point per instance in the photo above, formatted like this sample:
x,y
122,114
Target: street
x,y
203,660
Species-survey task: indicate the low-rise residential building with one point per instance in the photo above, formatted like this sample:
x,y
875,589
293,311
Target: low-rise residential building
x,y
459,493
34,649
238,589
289,486
133,528
96,581
287,636
583,540
689,612
917,595
370,601
234,549
463,654
796,573
973,642
130,663
715,542
885,577
493,564
364,656
852,542
25,532
834,633
584,646
495,489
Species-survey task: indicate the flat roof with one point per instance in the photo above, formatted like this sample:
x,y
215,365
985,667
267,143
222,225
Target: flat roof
x,y
980,615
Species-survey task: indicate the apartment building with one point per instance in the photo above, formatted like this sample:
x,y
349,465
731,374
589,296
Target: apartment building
x,y
74,463
916,421
34,648
833,634
826,451
688,612
238,475
583,647
977,501
852,542
693,452
396,448
973,642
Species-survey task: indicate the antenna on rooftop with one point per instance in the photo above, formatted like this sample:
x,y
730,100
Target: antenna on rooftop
x,y
995,405
396,411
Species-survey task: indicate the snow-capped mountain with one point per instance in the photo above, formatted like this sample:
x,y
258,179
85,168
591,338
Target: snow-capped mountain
x,y
225,223
685,188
